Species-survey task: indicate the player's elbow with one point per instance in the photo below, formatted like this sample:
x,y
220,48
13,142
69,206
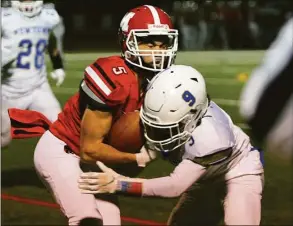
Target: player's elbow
x,y
177,191
177,186
173,192
85,156
89,154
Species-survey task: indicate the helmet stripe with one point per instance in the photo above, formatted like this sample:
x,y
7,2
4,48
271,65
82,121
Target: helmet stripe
x,y
154,14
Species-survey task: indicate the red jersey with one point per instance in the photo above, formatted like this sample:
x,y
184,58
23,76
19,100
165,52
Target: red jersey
x,y
109,83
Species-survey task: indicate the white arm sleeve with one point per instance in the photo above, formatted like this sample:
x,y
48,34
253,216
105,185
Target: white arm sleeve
x,y
58,32
184,175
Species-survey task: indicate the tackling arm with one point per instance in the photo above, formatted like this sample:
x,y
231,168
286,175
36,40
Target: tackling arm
x,y
184,175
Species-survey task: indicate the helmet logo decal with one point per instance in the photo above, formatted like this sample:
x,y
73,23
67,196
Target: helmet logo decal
x,y
189,98
125,21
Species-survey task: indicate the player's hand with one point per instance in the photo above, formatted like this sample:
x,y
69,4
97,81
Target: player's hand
x,y
144,156
58,75
93,182
108,182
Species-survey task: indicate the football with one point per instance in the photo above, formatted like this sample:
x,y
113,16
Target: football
x,y
126,134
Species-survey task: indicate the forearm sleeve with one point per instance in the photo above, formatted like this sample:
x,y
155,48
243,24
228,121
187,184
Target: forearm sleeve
x,y
184,175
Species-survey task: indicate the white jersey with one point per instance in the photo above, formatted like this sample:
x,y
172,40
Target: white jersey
x,y
25,40
217,140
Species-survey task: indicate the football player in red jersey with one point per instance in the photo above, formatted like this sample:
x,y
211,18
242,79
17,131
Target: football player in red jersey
x,y
111,86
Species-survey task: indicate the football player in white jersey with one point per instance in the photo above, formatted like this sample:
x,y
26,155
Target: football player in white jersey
x,y
25,33
208,149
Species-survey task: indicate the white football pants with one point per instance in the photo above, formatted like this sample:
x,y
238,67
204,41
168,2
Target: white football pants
x,y
60,172
41,99
238,198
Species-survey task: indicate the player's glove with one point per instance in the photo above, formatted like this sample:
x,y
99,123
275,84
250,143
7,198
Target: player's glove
x,y
108,182
58,75
144,156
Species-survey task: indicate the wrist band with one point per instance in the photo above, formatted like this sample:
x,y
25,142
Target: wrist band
x,y
134,188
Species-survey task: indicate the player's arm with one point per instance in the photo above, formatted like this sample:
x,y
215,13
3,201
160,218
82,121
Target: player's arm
x,y
184,175
54,45
103,97
189,170
9,49
58,73
95,126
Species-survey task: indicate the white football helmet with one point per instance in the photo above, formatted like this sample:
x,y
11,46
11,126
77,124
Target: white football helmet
x,y
175,101
28,8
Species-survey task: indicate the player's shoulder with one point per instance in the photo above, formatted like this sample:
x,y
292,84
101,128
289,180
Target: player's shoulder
x,y
7,13
50,15
217,126
115,69
109,79
9,16
50,12
215,133
115,65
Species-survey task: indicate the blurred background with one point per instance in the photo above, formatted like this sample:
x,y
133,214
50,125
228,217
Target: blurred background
x,y
203,25
234,32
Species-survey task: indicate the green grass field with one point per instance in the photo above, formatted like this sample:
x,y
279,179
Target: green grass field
x,y
220,70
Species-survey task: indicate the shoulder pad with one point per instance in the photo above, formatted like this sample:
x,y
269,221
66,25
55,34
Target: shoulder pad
x,y
49,6
208,138
114,67
5,12
109,79
50,11
51,15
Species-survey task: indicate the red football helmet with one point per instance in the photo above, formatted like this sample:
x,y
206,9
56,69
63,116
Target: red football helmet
x,y
147,21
